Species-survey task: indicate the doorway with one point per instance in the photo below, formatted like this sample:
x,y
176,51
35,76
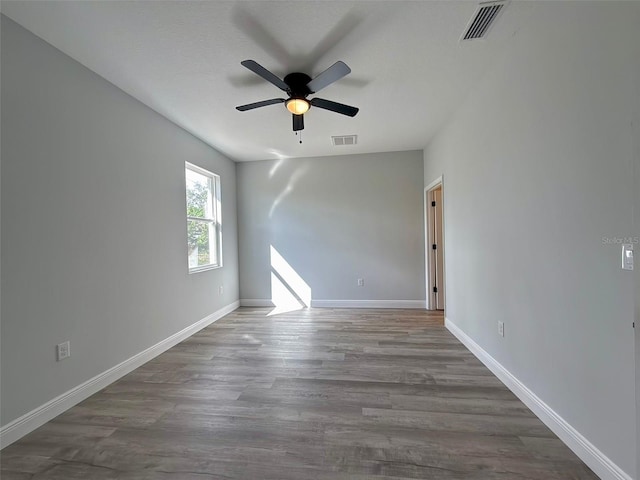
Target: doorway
x,y
434,245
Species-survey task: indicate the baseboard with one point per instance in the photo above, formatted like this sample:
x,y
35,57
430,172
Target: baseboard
x,y
583,448
256,302
264,302
18,428
368,304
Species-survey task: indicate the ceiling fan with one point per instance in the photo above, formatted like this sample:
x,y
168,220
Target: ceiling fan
x,y
298,87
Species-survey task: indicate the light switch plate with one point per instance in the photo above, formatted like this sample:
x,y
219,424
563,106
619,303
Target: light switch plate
x,y
627,256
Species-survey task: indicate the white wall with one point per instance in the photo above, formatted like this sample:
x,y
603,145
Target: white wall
x,y
334,220
538,168
93,224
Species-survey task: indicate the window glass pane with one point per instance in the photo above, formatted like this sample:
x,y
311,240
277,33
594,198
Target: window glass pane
x,y
203,219
199,195
200,243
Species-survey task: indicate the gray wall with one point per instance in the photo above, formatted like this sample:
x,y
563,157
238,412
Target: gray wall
x,y
93,224
637,275
334,220
636,215
538,168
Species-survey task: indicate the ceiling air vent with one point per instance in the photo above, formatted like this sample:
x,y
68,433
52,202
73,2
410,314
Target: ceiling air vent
x,y
486,14
344,140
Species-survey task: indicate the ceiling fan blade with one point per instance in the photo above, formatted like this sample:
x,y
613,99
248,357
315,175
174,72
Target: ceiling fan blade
x,y
334,106
298,122
264,103
258,69
333,73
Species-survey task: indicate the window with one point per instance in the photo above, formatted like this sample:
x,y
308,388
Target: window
x,y
203,219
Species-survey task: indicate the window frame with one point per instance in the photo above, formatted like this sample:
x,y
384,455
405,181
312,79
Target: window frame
x,y
215,221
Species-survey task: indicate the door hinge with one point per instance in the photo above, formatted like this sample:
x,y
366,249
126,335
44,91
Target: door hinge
x,y
434,246
433,204
435,289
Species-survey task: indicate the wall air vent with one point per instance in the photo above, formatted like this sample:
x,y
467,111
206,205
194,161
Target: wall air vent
x,y
344,140
482,20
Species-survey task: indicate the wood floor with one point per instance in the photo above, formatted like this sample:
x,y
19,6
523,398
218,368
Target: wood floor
x,y
314,394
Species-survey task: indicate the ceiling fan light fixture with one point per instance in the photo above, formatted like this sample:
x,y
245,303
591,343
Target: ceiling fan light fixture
x,y
298,106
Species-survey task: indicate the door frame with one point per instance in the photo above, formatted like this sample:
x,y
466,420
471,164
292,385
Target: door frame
x,y
438,182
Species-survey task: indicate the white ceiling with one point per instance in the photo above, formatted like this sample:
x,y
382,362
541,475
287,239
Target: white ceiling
x,y
409,71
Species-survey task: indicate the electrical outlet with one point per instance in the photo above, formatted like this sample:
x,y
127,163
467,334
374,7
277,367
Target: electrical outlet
x,y
63,350
361,282
220,290
501,328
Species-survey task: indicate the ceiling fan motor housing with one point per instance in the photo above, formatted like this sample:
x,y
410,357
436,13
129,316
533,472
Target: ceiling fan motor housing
x,y
297,83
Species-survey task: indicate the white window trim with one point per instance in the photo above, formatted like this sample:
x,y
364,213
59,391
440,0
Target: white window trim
x,y
216,220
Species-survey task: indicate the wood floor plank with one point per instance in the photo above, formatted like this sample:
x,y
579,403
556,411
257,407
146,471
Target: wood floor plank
x,y
326,394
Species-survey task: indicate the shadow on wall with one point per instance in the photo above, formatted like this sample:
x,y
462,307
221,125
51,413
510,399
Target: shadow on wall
x,y
289,291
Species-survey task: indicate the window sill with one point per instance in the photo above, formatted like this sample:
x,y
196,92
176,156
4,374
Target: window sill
x,y
204,268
